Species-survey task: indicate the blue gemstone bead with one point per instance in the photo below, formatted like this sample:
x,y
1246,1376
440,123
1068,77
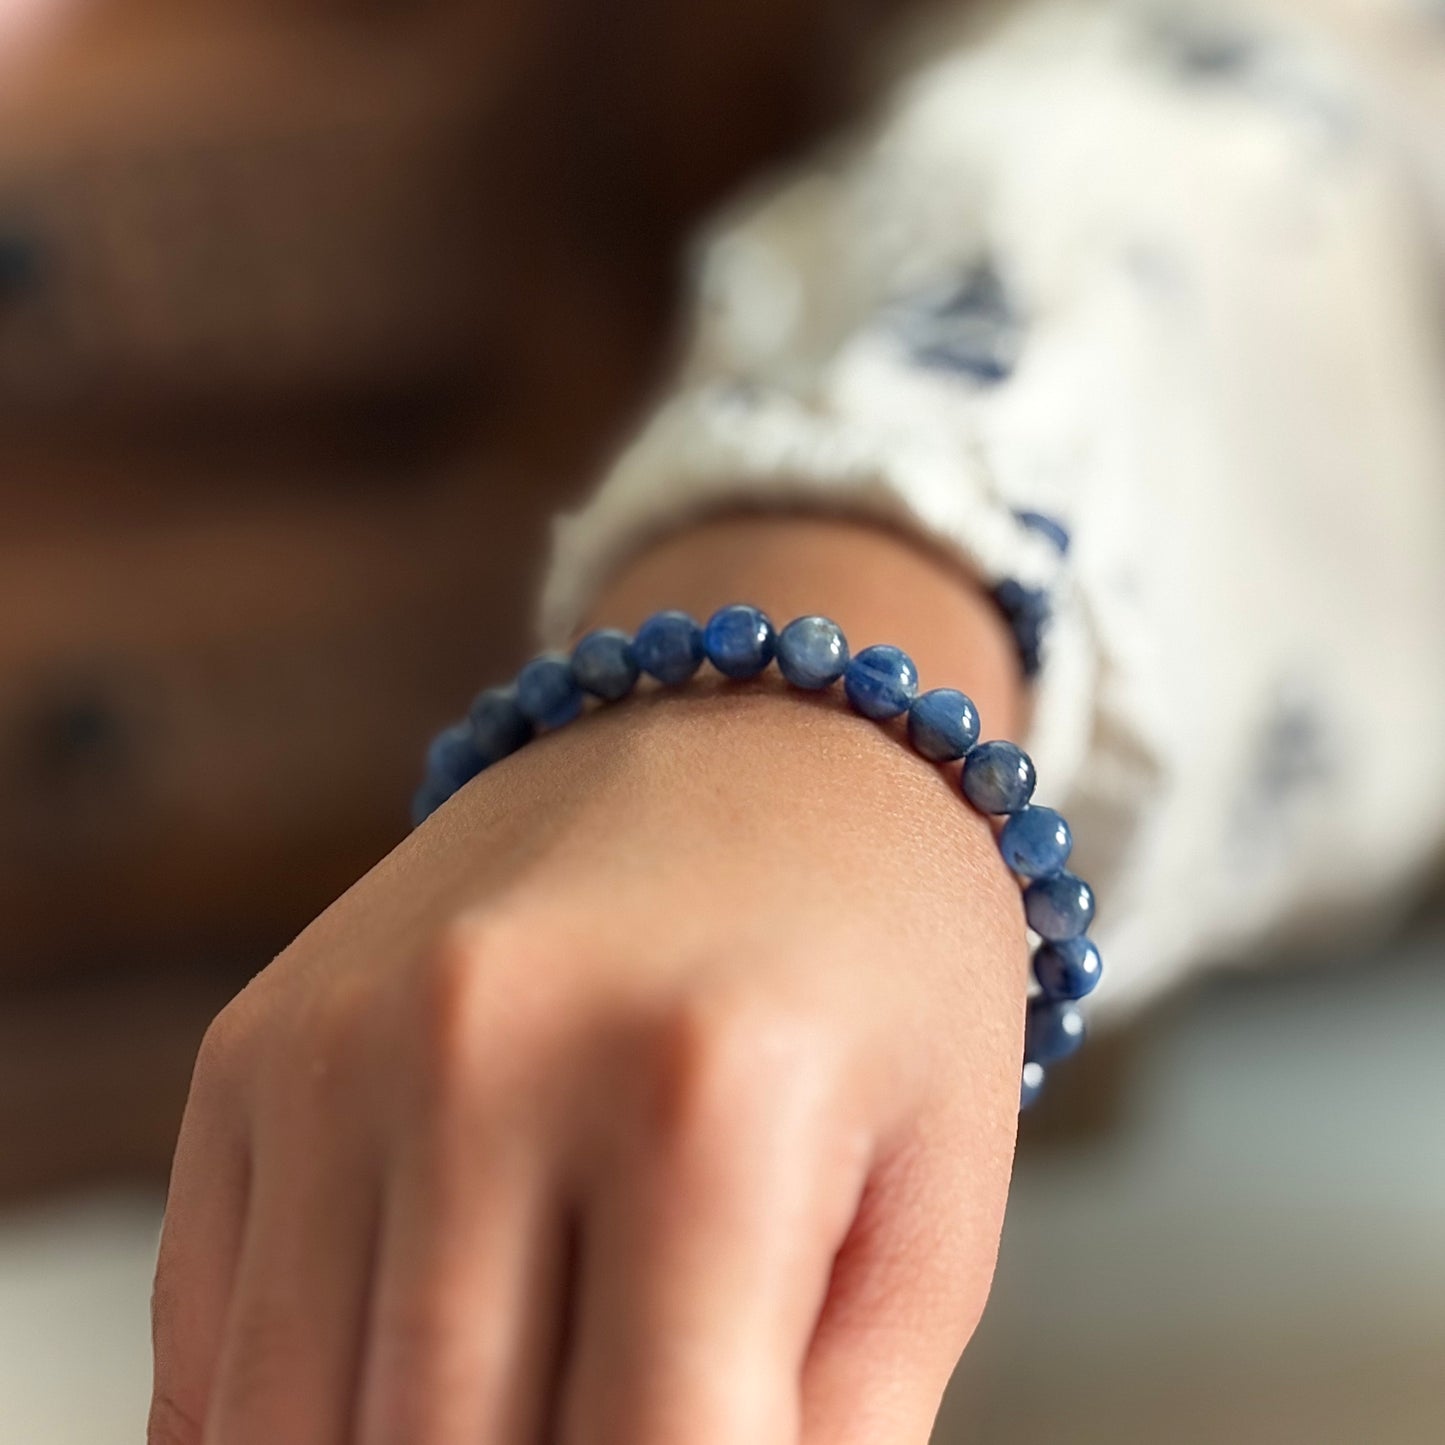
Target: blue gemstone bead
x,y
1060,907
998,777
739,641
881,682
1070,968
1054,1030
605,664
498,726
943,724
812,652
669,647
547,693
1033,1084
1036,842
452,759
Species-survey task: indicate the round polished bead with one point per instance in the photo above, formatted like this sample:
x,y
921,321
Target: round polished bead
x,y
547,693
943,724
812,652
669,647
452,759
605,665
1033,1084
881,682
498,725
1068,969
739,641
1054,1030
998,777
1036,842
1059,908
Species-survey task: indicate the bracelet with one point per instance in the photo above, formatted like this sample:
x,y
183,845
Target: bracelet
x,y
880,682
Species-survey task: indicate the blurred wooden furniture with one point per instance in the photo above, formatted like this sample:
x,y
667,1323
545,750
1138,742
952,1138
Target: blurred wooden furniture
x,y
311,311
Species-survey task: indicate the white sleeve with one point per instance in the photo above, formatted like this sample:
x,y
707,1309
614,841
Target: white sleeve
x,y
1166,281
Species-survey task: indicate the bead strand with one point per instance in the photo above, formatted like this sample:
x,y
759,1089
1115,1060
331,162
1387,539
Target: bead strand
x,y
880,683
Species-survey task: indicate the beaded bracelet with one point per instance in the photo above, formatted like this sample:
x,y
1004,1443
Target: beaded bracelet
x,y
880,682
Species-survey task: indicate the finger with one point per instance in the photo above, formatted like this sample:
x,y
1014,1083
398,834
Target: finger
x,y
907,1290
195,1268
288,1365
705,1255
467,1308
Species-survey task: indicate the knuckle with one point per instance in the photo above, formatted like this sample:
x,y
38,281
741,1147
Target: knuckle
x,y
485,1010
339,1021
733,1063
453,966
317,1055
224,1052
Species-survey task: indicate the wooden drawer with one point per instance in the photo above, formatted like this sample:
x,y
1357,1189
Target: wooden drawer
x,y
210,724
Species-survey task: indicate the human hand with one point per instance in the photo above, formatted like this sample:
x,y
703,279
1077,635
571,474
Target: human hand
x,y
661,1088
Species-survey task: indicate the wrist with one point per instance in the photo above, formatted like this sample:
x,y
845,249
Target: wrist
x,y
875,583
878,581
750,821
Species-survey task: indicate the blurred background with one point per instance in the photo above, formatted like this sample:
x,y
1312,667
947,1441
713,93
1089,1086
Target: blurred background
x,y
311,313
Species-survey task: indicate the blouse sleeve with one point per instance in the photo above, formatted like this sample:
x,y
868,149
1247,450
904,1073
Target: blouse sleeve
x,y
1132,309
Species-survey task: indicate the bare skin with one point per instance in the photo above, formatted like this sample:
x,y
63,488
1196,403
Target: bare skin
x,y
660,1088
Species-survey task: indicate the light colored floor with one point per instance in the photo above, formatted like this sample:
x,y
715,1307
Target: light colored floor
x,y
74,1341
1260,1257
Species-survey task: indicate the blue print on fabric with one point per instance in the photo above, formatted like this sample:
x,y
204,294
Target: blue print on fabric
x,y
1210,53
971,329
1027,610
1296,753
1046,526
1210,50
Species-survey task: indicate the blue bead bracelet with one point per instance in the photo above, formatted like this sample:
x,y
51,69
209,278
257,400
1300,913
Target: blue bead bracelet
x,y
880,682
